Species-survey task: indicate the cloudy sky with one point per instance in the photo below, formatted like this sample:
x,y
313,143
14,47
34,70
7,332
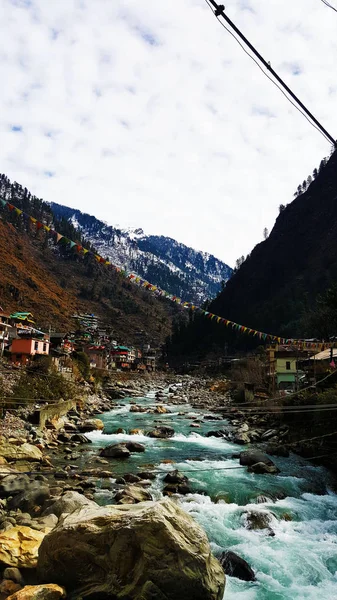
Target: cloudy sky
x,y
149,114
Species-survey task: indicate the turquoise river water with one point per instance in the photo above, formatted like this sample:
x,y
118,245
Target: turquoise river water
x,y
299,562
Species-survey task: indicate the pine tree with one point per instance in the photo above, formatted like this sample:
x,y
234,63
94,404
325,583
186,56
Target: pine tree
x,y
314,173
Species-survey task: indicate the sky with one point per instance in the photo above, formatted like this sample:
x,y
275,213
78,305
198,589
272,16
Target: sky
x,y
149,114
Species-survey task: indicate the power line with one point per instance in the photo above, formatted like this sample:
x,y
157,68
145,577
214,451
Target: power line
x,y
329,5
220,11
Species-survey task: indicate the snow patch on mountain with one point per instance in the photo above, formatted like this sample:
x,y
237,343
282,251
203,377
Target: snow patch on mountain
x,y
180,270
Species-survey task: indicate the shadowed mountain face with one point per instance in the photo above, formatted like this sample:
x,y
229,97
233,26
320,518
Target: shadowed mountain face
x,y
281,279
176,268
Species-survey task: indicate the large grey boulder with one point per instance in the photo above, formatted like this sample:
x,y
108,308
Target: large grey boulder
x,y
68,503
251,457
148,551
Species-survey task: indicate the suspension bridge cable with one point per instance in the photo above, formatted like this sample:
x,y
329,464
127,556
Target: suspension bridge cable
x,y
220,11
329,5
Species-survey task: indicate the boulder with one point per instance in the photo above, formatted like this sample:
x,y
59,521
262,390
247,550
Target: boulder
x,y
160,410
24,451
80,438
49,591
235,566
176,488
135,447
31,499
147,475
150,551
241,438
13,484
277,450
68,503
257,520
218,433
175,477
90,425
128,478
261,469
132,494
162,432
14,574
115,451
136,432
137,409
269,434
8,587
19,546
251,457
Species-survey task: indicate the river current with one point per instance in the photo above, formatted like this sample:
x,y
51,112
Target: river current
x,y
299,562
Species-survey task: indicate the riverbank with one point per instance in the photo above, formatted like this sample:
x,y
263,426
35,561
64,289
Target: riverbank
x,y
171,442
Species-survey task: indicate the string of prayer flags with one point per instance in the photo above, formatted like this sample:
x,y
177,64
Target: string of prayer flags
x,y
266,337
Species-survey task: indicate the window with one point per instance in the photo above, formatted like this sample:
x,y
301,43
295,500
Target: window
x,y
288,365
44,347
36,346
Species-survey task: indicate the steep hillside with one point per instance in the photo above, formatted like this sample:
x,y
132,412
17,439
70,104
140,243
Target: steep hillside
x,y
53,282
279,282
180,270
277,288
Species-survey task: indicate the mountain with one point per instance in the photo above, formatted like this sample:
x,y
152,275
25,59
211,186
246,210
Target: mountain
x,y
54,282
180,270
279,285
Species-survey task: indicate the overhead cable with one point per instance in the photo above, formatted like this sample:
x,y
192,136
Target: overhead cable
x,y
220,11
329,5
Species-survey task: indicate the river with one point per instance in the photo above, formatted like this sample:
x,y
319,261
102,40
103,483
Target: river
x,y
299,562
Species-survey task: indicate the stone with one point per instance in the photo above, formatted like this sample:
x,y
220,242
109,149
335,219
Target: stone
x,y
149,551
19,546
135,447
132,494
162,432
147,475
176,488
120,430
175,477
11,485
261,469
277,450
68,503
8,587
137,409
136,432
14,574
129,478
257,520
115,451
24,451
31,498
3,461
241,438
217,433
49,591
41,523
235,566
90,425
161,410
80,438
269,434
251,457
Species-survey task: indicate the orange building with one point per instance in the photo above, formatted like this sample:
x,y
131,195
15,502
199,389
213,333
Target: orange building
x,y
23,350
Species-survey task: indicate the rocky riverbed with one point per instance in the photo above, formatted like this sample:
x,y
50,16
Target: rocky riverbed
x,y
119,469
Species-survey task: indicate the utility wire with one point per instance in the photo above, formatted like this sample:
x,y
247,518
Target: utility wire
x,y
220,11
329,5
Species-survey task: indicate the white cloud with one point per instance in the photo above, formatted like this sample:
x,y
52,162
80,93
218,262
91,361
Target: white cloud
x,y
149,114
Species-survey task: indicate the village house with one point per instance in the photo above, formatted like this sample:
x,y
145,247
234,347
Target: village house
x,y
284,369
100,357
28,345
